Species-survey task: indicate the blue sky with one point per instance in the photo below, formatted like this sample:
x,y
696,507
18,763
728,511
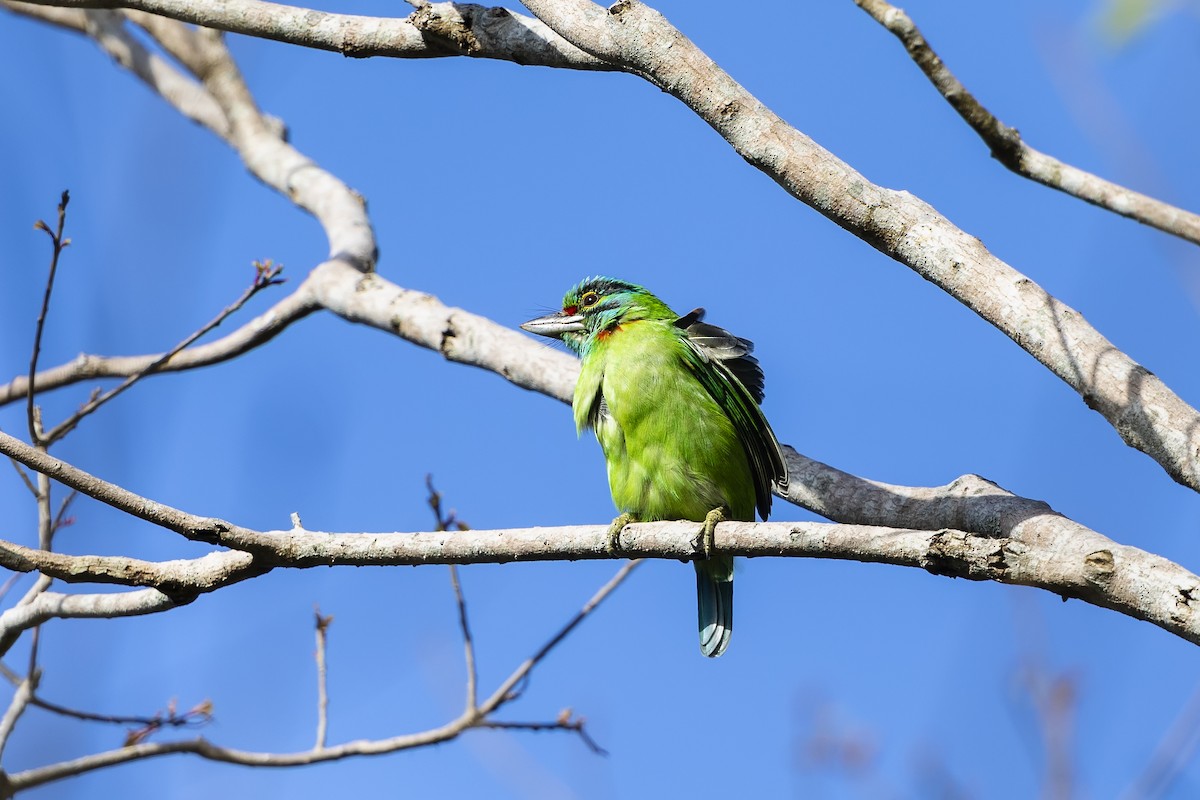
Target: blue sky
x,y
495,187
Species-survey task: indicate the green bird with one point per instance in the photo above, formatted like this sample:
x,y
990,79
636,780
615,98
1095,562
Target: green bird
x,y
674,404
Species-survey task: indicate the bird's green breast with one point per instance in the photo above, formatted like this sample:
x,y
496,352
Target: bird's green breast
x,y
672,452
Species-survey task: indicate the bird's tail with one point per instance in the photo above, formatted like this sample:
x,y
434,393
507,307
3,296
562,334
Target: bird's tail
x,y
714,604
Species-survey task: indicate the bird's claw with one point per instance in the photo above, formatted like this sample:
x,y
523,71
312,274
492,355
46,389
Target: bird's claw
x,y
613,541
708,533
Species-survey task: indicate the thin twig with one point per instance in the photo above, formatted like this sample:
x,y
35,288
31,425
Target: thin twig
x,y
565,722
322,626
17,707
445,523
59,243
9,584
61,519
506,691
24,476
201,714
267,274
468,645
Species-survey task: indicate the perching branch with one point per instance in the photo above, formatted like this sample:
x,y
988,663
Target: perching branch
x,y
1010,150
981,533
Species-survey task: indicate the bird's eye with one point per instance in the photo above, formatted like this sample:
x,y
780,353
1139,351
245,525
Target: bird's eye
x,y
590,299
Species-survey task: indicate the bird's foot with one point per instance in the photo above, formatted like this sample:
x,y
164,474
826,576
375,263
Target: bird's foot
x,y
708,533
613,543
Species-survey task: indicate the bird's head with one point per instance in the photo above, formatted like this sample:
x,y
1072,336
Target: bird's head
x,y
596,306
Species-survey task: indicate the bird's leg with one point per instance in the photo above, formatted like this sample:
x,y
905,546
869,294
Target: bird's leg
x,y
614,532
709,532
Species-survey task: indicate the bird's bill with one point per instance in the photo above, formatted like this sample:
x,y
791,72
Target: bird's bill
x,y
555,324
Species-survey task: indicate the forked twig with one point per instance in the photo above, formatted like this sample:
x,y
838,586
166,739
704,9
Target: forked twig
x,y
59,244
564,722
445,523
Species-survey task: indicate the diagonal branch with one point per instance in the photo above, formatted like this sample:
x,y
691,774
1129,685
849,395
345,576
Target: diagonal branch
x,y
1011,151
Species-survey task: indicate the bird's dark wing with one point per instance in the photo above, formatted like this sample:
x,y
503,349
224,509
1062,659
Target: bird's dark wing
x,y
723,365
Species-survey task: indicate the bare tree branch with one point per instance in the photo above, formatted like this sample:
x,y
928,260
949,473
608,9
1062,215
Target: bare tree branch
x,y
52,605
200,714
1051,553
565,721
434,30
1009,149
16,708
190,525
